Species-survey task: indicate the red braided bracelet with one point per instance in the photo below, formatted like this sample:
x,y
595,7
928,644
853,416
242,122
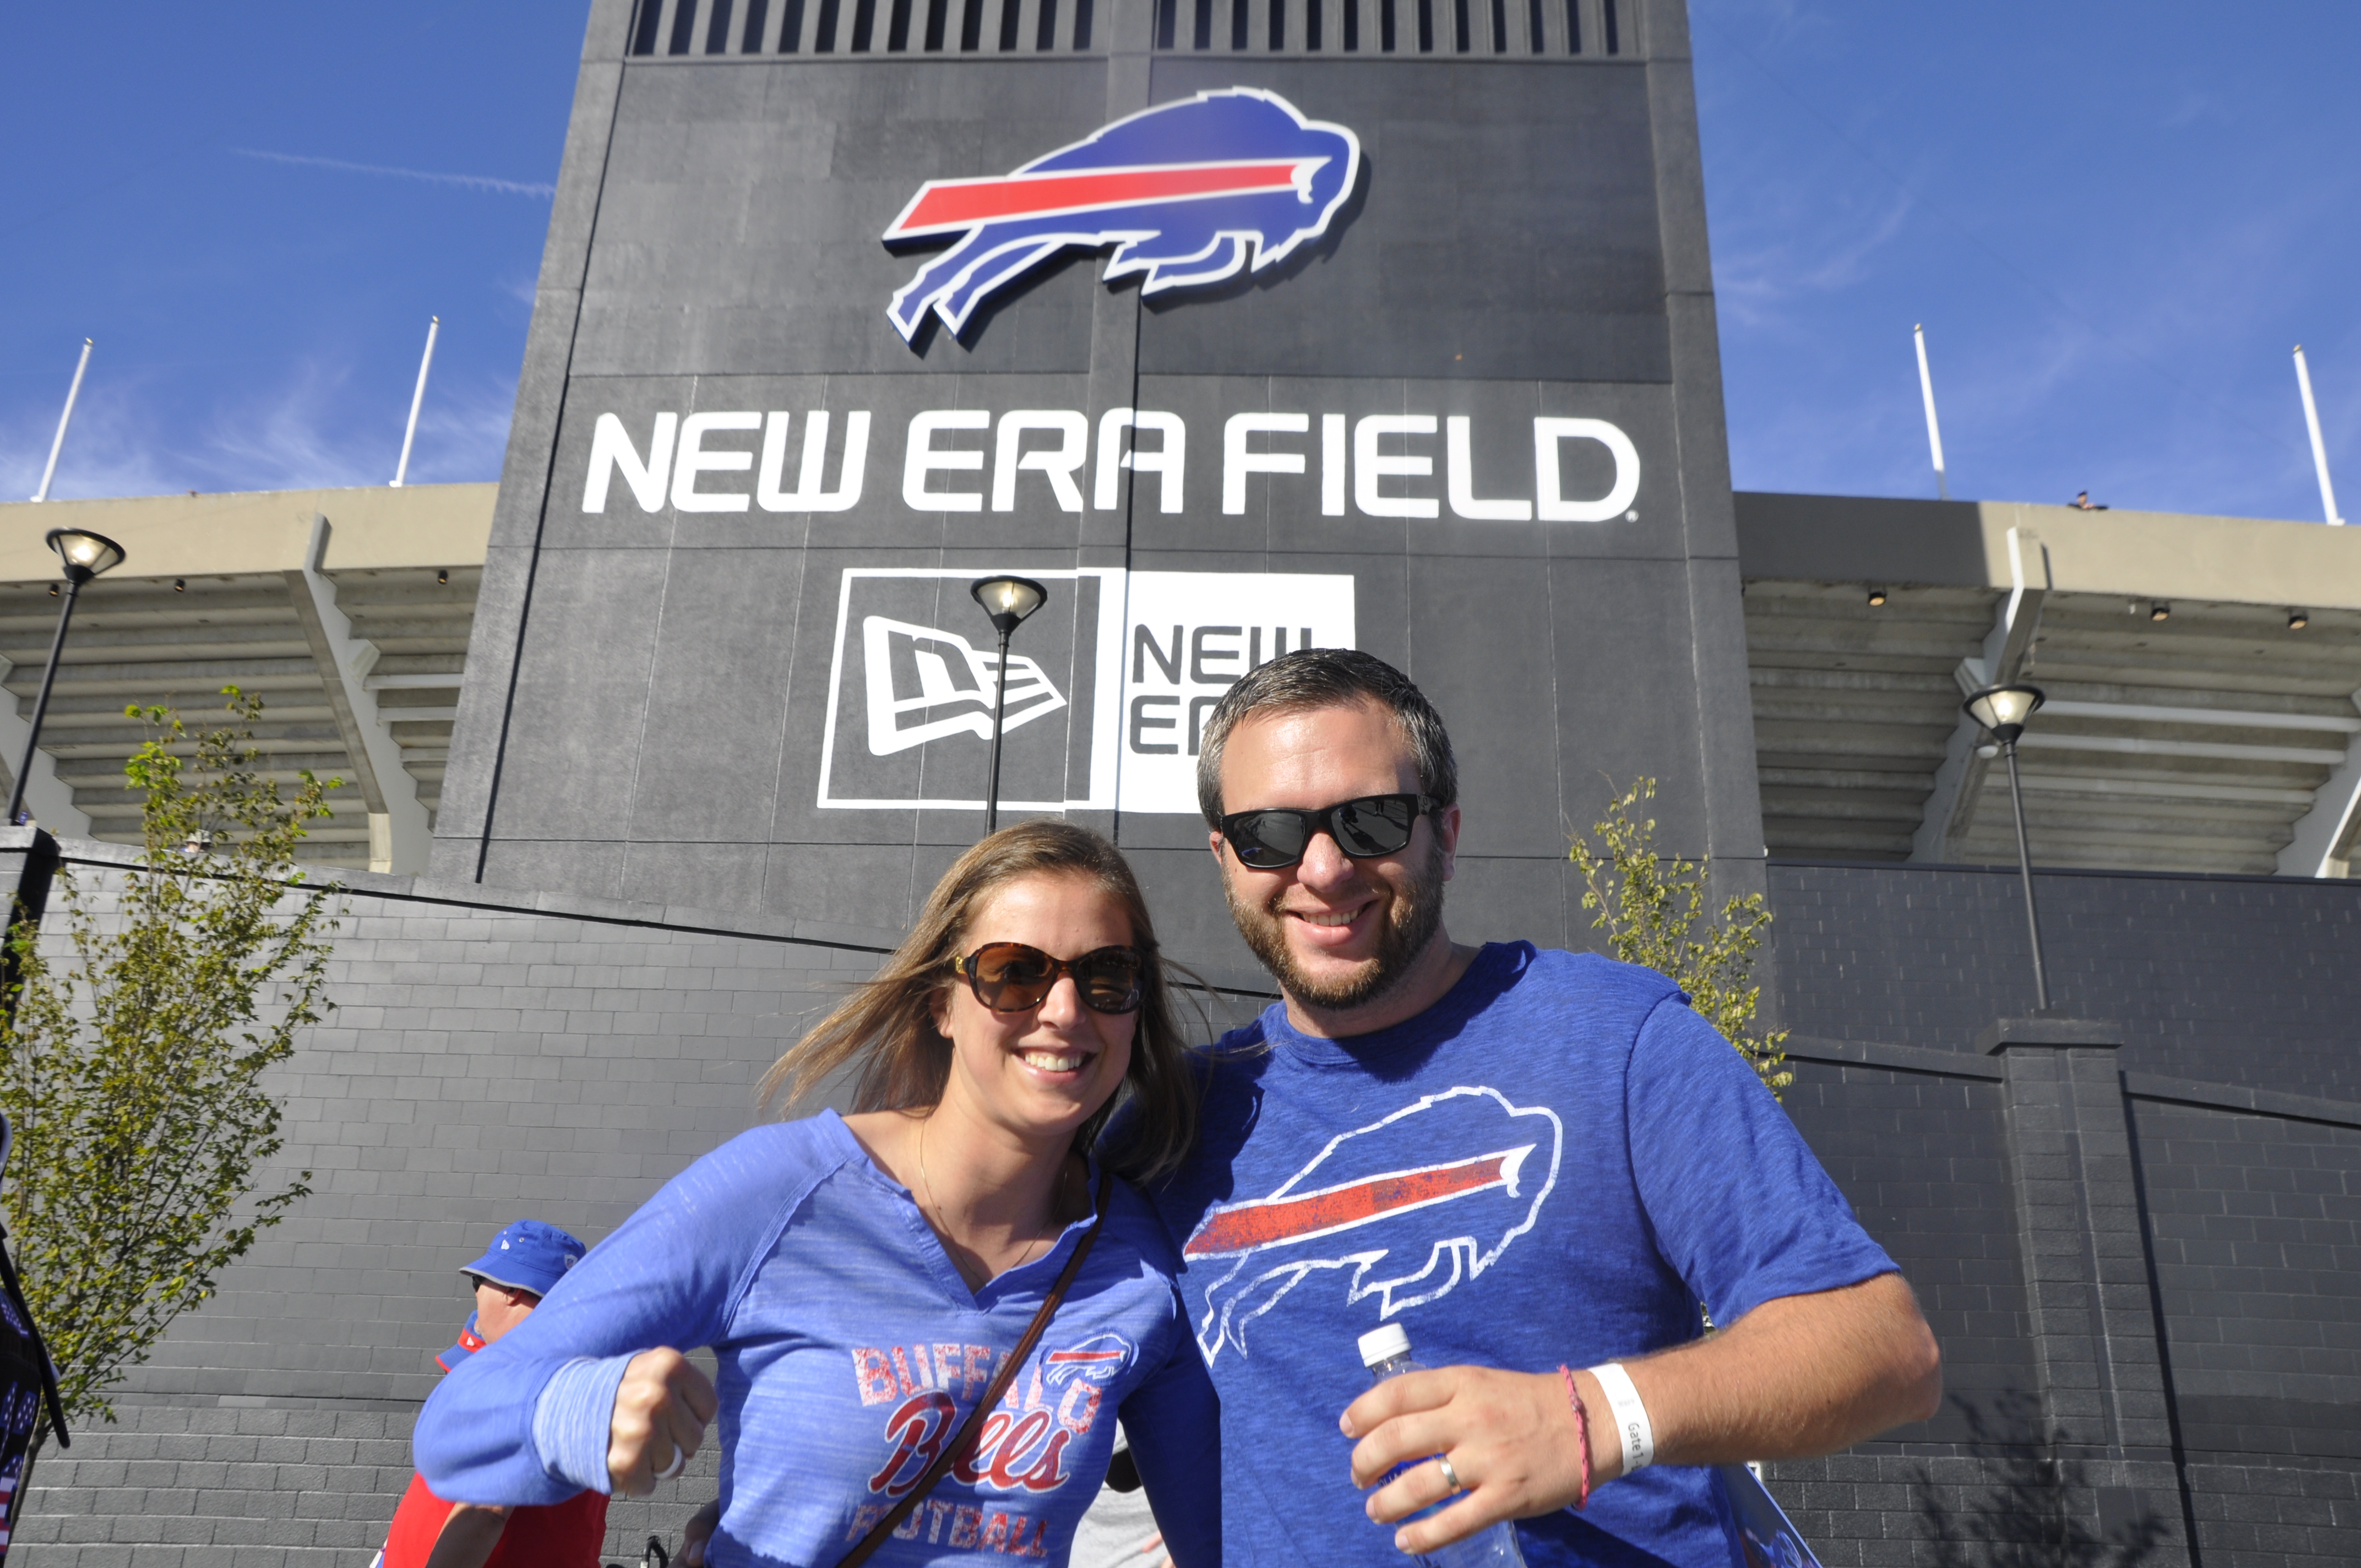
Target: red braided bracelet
x,y
1582,1427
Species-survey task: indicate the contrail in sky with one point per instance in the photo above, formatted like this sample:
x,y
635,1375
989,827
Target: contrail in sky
x,y
472,182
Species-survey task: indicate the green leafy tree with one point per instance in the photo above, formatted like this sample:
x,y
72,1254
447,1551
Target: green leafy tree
x,y
134,1071
1656,912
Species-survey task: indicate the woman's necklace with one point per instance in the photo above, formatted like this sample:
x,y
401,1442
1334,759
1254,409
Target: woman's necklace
x,y
943,1221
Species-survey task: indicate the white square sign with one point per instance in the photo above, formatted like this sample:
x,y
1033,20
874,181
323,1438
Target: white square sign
x,y
1187,636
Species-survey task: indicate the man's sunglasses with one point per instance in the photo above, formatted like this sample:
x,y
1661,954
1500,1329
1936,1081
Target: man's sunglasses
x,y
1009,977
1276,838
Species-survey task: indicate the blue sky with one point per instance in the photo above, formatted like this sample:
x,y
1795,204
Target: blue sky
x,y
258,321
2115,219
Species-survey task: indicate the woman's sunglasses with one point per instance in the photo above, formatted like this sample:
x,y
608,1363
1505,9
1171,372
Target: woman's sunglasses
x,y
1009,977
1274,839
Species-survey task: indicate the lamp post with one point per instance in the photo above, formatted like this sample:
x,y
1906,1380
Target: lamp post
x,y
85,555
2002,710
1008,600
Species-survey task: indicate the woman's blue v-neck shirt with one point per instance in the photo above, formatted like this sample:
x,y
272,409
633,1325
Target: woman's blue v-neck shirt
x,y
849,1350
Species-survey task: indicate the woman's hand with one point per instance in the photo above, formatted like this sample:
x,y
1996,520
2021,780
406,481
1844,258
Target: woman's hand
x,y
660,1415
696,1532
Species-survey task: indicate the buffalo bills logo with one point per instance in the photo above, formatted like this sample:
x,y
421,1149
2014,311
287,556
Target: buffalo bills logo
x,y
1100,1359
1187,192
1410,1206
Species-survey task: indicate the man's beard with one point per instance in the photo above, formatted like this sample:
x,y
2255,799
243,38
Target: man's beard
x,y
1410,922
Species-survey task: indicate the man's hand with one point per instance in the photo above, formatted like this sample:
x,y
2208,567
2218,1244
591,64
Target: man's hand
x,y
1511,1436
1798,1376
470,1531
696,1532
660,1415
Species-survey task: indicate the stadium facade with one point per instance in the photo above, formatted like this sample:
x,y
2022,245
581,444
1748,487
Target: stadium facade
x,y
1379,323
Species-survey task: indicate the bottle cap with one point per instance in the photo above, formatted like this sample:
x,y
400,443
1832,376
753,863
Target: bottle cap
x,y
1383,1345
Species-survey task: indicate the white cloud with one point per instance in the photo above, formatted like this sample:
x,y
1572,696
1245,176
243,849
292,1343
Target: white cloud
x,y
304,432
278,443
468,182
105,452
1755,279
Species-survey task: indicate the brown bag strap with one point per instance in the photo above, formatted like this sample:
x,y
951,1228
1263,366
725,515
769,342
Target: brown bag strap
x,y
970,1429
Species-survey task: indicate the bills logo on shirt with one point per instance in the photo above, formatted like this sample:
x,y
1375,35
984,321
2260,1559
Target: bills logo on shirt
x,y
1407,1208
1021,1449
1187,192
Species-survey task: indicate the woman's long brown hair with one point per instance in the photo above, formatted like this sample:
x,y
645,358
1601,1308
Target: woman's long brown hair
x,y
885,1030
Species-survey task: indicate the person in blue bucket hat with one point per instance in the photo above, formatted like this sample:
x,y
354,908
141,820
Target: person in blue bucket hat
x,y
524,1264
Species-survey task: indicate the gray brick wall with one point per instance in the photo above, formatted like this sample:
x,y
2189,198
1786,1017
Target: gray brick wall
x,y
173,1486
490,1056
2011,1509
2250,1188
2228,980
2249,1208
2250,1517
2256,1233
1922,1158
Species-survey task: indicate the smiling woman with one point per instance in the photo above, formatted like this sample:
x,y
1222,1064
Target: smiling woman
x,y
924,1312
898,1033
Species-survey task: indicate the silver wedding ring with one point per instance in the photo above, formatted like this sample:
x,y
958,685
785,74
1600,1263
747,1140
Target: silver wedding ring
x,y
1450,1477
679,1463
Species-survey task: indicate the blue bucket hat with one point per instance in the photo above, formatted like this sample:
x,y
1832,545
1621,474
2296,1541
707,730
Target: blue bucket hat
x,y
528,1255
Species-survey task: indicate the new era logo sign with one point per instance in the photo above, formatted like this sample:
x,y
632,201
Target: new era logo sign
x,y
1106,704
916,670
924,685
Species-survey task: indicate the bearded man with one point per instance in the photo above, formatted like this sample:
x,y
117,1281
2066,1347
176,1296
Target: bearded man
x,y
1543,1164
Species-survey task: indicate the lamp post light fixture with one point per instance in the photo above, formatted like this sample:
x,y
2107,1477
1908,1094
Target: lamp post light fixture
x,y
2002,710
85,555
1008,600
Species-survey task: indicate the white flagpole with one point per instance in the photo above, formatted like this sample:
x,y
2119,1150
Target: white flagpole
x,y
74,391
1934,431
401,469
2318,447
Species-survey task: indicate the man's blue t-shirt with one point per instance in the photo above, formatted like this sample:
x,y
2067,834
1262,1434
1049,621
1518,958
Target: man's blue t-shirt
x,y
1556,1162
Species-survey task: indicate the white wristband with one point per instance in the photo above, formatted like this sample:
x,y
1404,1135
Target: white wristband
x,y
1630,1416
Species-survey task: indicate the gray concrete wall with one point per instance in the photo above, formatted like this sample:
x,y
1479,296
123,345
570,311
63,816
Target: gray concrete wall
x,y
1889,542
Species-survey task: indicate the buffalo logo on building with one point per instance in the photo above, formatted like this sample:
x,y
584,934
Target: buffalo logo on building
x,y
1188,193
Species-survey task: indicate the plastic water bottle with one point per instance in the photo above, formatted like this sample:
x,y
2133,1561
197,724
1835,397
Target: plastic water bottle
x,y
1386,1353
